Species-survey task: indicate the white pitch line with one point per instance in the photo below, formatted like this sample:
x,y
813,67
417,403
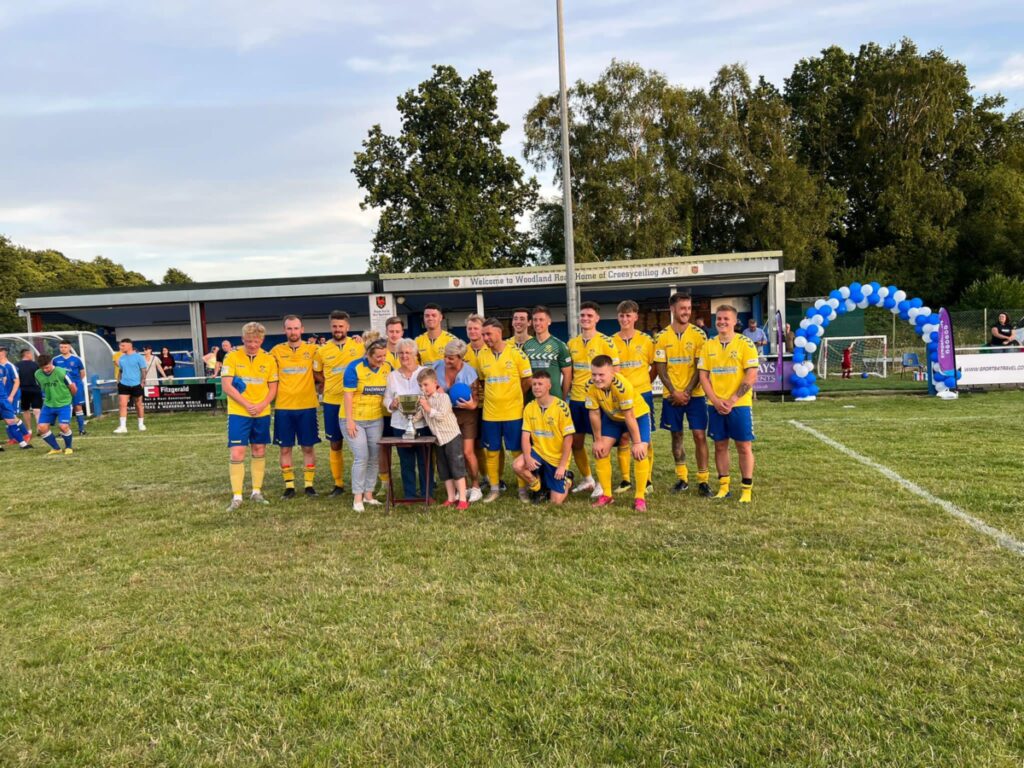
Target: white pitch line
x,y
90,437
1003,539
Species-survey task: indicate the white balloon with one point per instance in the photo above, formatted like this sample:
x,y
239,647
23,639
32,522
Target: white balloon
x,y
833,303
810,346
913,312
926,311
899,296
850,306
940,386
895,310
805,322
819,304
862,303
883,292
866,289
833,316
816,320
800,341
844,292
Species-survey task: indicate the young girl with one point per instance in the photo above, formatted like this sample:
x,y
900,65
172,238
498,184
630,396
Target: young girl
x,y
451,464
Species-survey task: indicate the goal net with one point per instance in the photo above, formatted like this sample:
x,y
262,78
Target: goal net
x,y
868,355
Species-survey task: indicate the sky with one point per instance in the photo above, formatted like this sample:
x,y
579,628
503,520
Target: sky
x,y
217,136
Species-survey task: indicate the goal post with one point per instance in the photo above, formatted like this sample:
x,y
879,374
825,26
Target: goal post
x,y
869,355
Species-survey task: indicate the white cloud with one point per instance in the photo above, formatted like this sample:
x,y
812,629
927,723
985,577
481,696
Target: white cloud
x,y
386,65
1009,77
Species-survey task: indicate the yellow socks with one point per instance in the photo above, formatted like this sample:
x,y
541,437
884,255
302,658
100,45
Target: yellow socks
x,y
683,472
258,467
236,471
535,486
604,474
308,474
643,474
624,456
746,488
493,461
703,475
289,476
582,460
338,468
723,488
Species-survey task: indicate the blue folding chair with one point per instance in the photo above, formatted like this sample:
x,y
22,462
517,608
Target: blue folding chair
x,y
910,360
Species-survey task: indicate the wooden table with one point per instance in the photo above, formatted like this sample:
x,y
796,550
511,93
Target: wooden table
x,y
425,444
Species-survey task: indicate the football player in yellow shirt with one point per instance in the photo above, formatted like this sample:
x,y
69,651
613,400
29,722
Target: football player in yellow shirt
x,y
675,354
636,365
506,374
296,405
431,343
547,443
728,371
614,410
394,329
475,334
329,367
249,380
583,349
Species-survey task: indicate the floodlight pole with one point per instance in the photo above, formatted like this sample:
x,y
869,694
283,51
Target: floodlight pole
x,y
571,304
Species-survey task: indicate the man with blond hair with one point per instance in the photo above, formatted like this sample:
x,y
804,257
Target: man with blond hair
x,y
296,405
249,380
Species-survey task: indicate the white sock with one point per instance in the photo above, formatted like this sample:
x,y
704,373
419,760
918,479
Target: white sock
x,y
124,421
140,422
236,497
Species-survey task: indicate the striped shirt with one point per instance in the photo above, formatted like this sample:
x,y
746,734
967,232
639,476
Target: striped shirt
x,y
441,419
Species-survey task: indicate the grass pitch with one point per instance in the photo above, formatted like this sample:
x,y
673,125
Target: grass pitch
x,y
839,620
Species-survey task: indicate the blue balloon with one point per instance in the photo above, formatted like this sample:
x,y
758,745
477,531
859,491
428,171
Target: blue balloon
x,y
811,312
800,392
874,286
841,309
811,378
889,302
799,355
857,297
933,347
835,295
959,373
801,332
892,289
814,389
934,319
905,317
903,306
916,303
854,288
459,391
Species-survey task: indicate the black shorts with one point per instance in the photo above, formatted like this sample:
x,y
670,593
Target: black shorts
x,y
31,401
135,391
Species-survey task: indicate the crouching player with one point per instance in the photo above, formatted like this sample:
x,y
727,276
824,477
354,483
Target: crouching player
x,y
615,410
249,380
546,443
58,392
728,371
16,431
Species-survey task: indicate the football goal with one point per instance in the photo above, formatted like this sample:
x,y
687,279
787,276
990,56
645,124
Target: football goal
x,y
868,356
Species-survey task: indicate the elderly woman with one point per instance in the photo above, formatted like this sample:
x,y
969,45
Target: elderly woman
x,y
402,381
365,382
453,368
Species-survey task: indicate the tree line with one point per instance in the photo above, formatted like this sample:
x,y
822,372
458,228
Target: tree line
x,y
876,165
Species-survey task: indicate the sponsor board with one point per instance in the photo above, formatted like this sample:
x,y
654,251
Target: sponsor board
x,y
180,397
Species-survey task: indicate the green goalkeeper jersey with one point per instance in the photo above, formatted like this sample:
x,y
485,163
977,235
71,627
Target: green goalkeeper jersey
x,y
56,393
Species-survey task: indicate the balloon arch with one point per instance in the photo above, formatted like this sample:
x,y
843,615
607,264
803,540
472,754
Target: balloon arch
x,y
857,296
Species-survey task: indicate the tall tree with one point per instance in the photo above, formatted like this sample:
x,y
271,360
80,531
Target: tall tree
x,y
174,276
449,198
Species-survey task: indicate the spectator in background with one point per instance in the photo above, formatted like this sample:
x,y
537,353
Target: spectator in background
x,y
210,361
131,369
790,340
1002,332
757,336
167,361
225,349
31,394
154,370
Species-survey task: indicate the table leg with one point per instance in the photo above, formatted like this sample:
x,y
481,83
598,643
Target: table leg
x,y
390,490
428,480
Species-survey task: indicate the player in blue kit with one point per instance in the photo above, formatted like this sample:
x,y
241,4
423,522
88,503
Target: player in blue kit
x,y
75,368
8,410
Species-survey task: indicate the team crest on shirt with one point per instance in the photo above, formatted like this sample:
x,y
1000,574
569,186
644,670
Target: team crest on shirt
x,y
734,355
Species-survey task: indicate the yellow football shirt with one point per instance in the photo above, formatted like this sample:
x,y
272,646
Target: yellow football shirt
x,y
502,376
296,389
258,372
583,352
392,360
367,386
332,360
432,350
727,365
620,396
680,351
548,428
635,358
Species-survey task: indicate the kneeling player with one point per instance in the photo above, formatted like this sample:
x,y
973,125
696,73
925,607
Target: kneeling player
x,y
615,410
58,392
9,413
249,410
546,442
728,371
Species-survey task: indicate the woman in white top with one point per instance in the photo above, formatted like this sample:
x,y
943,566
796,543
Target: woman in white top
x,y
402,381
154,371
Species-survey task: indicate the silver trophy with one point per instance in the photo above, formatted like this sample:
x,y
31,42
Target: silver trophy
x,y
409,405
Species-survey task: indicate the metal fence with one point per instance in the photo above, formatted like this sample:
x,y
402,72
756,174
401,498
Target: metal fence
x,y
971,328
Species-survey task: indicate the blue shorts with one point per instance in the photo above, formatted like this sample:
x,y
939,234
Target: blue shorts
x,y
8,410
737,425
616,429
295,425
649,399
493,433
248,430
547,474
50,415
580,417
695,411
79,397
332,423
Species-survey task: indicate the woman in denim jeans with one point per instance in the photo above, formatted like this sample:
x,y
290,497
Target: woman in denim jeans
x,y
365,382
402,381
